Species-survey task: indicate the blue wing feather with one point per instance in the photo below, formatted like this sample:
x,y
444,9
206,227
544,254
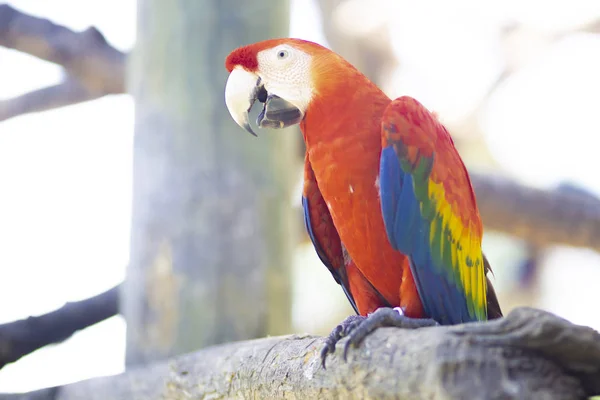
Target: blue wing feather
x,y
390,173
409,231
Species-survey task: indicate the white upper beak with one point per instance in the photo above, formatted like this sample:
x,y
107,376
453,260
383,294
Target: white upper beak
x,y
240,94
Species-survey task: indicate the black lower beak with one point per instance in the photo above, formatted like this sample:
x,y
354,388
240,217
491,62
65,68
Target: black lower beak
x,y
278,113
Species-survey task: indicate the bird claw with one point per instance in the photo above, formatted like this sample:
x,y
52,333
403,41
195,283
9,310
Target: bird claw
x,y
357,328
340,331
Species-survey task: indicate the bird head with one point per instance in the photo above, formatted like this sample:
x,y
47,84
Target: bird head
x,y
280,73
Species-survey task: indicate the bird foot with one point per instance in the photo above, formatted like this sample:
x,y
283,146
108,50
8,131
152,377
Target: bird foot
x,y
357,328
340,331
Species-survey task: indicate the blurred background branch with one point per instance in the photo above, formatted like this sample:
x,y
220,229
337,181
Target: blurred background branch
x,y
67,93
543,217
92,66
19,338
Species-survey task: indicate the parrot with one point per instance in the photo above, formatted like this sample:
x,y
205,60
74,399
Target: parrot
x,y
387,200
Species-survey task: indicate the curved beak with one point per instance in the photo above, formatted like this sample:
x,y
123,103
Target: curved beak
x,y
241,92
243,88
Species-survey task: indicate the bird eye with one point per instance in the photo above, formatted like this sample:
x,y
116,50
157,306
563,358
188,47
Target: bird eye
x,y
282,54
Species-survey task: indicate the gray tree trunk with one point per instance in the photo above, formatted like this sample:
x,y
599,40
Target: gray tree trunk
x,y
210,241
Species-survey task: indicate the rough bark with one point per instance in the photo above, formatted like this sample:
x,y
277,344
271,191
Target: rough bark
x,y
22,337
210,244
530,354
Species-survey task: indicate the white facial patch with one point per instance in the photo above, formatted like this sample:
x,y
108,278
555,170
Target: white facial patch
x,y
285,72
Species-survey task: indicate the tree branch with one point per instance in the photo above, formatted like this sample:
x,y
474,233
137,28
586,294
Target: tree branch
x,y
67,93
22,337
540,216
530,354
94,67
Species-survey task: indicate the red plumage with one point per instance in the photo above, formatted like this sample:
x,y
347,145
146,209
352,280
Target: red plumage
x,y
344,152
363,297
342,129
244,56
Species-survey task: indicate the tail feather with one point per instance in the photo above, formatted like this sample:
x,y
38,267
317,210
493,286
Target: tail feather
x,y
493,306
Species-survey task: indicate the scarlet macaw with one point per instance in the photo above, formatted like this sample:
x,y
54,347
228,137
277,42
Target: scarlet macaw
x,y
387,200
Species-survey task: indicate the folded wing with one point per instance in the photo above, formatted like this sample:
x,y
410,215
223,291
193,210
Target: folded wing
x,y
430,213
362,295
